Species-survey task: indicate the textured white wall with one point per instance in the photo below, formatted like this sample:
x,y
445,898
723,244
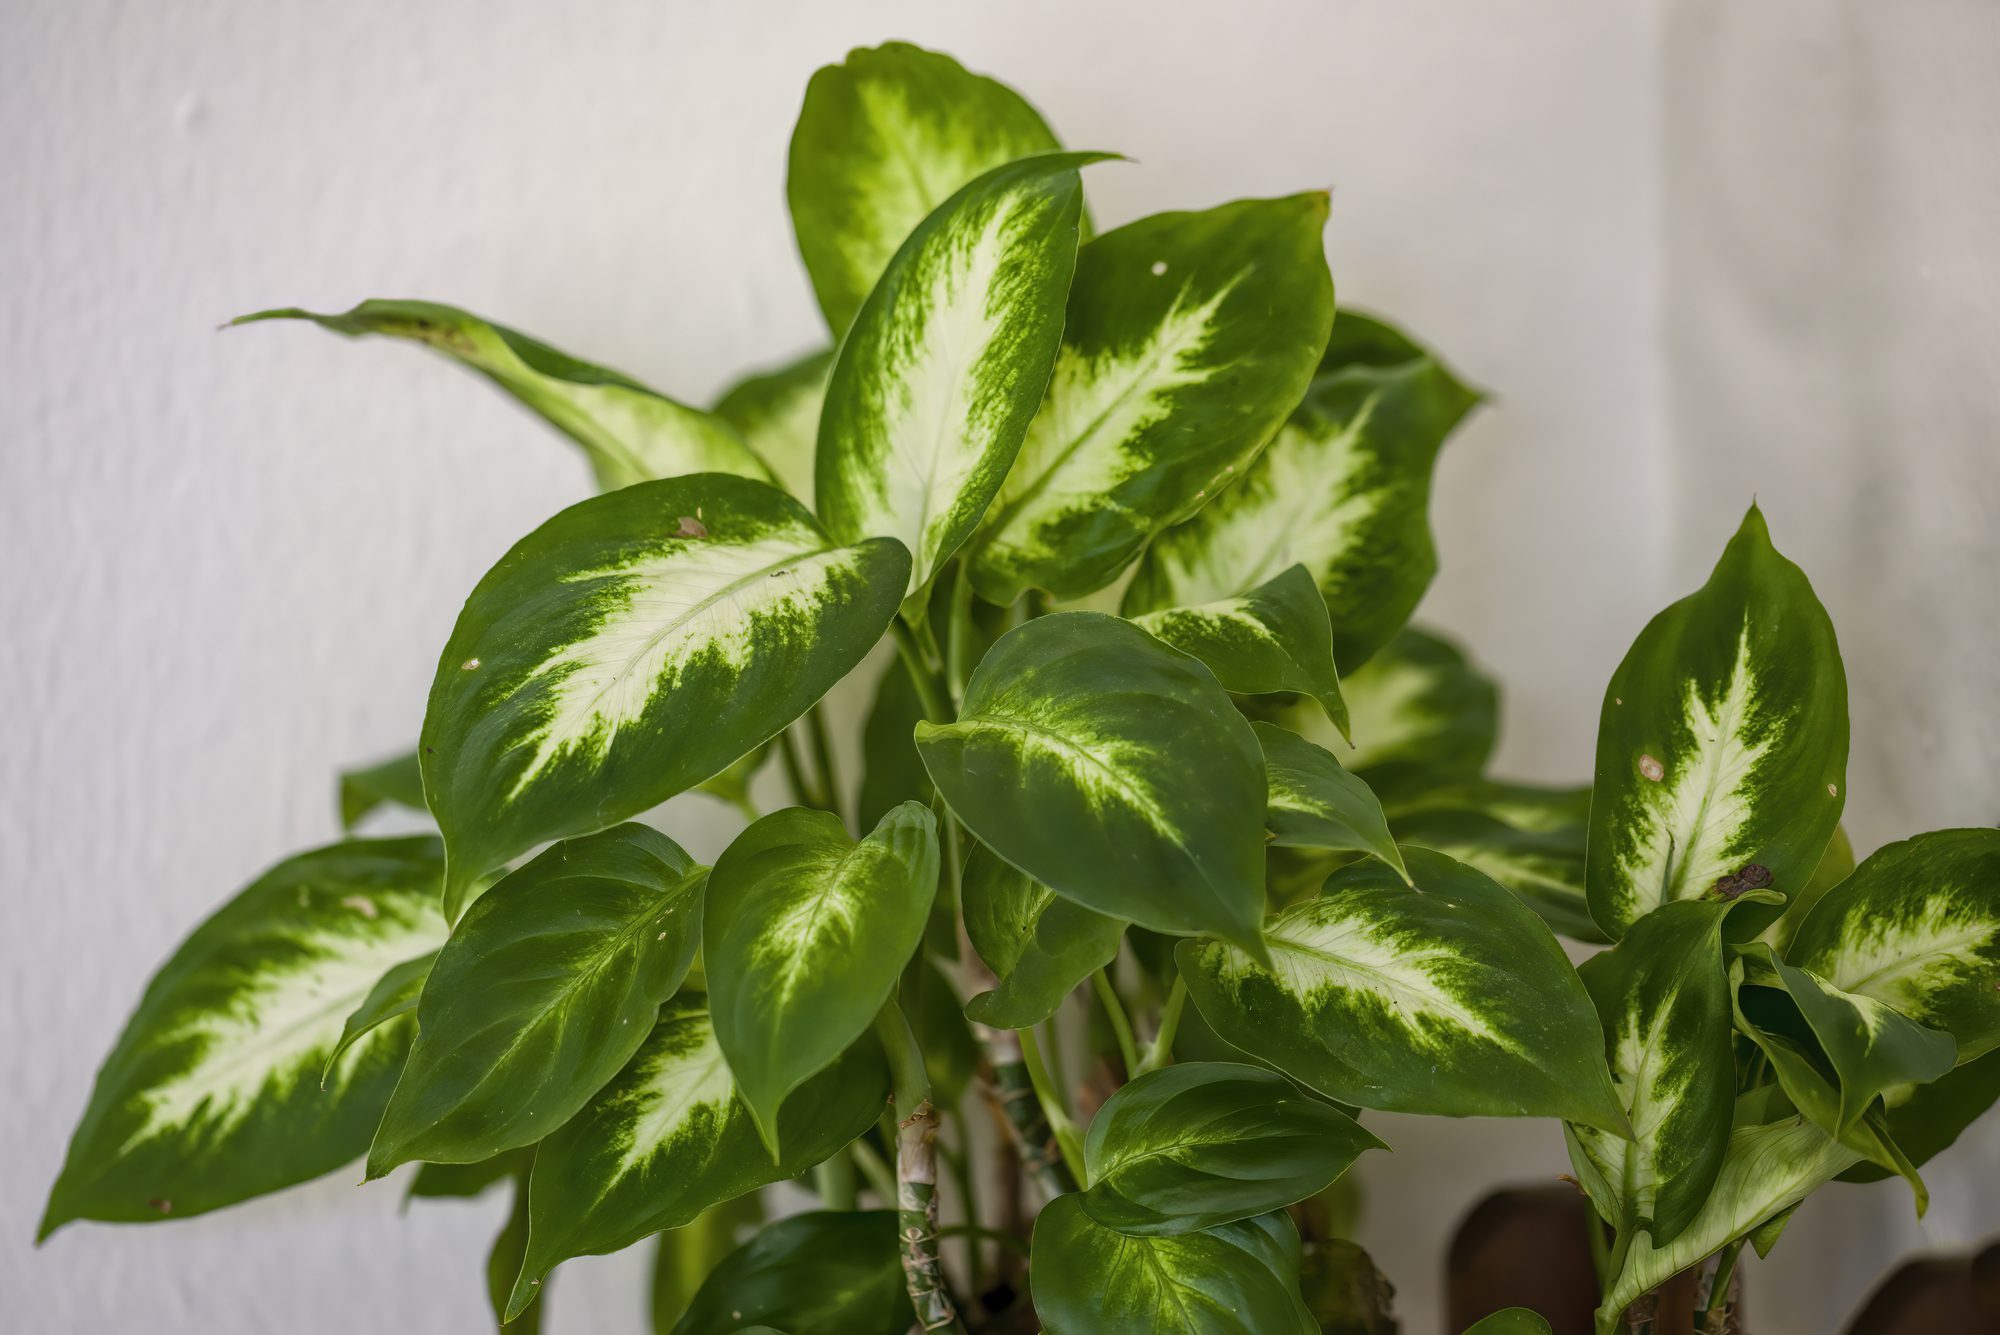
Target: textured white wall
x,y
227,561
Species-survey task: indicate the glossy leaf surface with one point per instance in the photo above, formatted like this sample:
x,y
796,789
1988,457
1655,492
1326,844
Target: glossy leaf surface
x,y
1038,944
631,647
822,1273
1314,803
1275,638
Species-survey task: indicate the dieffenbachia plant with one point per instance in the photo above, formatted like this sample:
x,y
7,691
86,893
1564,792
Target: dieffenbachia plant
x,y
1254,788
1774,1015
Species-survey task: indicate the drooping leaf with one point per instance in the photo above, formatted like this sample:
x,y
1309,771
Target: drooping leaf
x,y
1872,1048
934,386
1662,998
628,432
777,414
397,781
687,1255
1113,770
1767,1168
1234,1279
1343,488
1205,1143
669,1137
1917,928
1038,944
1449,998
1926,1120
1807,1081
891,771
631,647
395,993
822,1273
1723,740
213,1093
806,933
1274,638
1189,338
1314,803
503,1262
545,989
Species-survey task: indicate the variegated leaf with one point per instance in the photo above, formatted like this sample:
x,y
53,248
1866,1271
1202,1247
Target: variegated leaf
x,y
1873,1048
397,781
545,989
395,993
1541,861
1662,998
1240,1278
1038,944
777,414
1767,1168
214,1093
1424,719
1343,488
1275,638
1314,803
1807,1081
934,386
827,1272
806,934
1205,1143
1723,741
882,140
1917,928
631,647
1189,338
1925,1120
1115,771
1449,997
669,1136
628,432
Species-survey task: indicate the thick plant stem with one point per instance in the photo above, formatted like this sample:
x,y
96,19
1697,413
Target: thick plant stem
x,y
1013,1093
917,1220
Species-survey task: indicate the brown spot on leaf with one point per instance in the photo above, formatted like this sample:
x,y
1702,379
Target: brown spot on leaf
x,y
469,665
691,528
162,1204
1750,876
1651,768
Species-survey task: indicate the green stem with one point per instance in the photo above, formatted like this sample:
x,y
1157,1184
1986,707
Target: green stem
x,y
1718,1289
1121,1024
1050,1094
833,1180
932,693
1161,1053
880,1178
906,1060
829,775
803,791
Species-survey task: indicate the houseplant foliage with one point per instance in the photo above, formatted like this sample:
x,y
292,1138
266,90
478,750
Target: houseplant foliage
x,y
1142,523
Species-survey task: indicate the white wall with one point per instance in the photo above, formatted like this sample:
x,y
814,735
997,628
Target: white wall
x,y
227,561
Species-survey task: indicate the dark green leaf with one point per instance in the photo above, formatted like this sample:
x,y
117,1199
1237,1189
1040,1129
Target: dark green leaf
x,y
823,1273
1448,998
1926,1120
397,781
806,934
1314,803
1113,770
1233,1279
1206,1143
395,993
669,1137
1275,638
504,1262
686,1255
1038,944
891,770
547,987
